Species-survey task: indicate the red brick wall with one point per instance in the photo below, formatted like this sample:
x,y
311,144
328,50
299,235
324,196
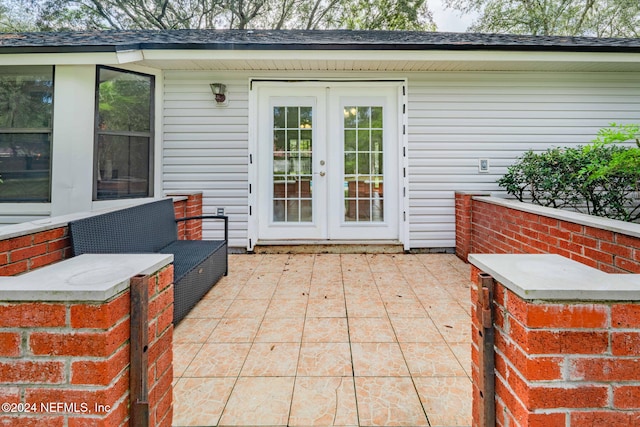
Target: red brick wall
x,y
30,251
562,364
191,206
67,363
485,227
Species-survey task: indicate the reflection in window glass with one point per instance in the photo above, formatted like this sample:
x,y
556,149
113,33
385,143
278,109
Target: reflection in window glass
x,y
124,135
26,110
292,166
363,168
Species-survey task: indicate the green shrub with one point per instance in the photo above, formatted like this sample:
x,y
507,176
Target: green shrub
x,y
599,179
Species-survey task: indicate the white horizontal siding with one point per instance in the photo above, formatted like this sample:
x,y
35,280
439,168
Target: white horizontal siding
x,y
205,147
454,119
457,118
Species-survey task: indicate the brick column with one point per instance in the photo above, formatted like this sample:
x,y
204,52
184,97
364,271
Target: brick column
x,y
561,363
464,223
66,362
186,205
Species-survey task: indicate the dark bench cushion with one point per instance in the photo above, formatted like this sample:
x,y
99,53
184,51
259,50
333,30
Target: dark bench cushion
x,y
197,266
189,254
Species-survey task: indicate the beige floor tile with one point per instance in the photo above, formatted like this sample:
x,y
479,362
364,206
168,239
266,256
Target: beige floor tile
x,y
260,277
280,329
271,360
183,354
301,261
327,260
259,401
235,330
287,308
325,329
194,330
293,291
300,276
274,298
431,360
327,290
431,296
388,401
257,291
371,329
324,402
447,400
462,352
405,309
390,279
416,330
326,307
449,310
378,360
353,261
365,307
326,277
218,360
457,331
361,287
225,290
397,293
247,308
325,360
210,309
200,401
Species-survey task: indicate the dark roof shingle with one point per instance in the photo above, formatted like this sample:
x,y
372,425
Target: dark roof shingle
x,y
110,41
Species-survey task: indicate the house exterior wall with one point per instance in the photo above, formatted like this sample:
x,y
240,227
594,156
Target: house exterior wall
x,y
457,118
454,119
205,147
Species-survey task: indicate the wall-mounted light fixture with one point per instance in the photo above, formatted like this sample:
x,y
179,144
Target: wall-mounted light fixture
x,y
219,90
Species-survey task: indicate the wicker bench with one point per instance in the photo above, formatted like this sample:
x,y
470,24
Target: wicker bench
x,y
152,228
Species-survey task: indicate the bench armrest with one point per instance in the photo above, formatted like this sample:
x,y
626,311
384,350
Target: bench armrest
x,y
224,217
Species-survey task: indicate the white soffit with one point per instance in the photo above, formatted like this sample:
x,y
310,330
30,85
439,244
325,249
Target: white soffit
x,y
407,61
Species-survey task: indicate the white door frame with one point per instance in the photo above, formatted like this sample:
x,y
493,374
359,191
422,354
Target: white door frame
x,y
256,200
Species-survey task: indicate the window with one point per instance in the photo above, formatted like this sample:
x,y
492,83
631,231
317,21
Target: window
x,y
26,117
123,164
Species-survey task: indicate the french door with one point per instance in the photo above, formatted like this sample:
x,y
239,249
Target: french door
x,y
328,162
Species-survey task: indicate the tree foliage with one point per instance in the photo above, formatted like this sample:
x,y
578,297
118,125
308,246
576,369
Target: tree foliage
x,y
600,179
601,18
240,14
17,15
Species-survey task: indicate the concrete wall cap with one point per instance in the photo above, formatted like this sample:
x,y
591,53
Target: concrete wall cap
x,y
88,277
554,277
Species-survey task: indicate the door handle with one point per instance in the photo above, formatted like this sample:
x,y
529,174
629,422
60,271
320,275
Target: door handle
x,y
322,173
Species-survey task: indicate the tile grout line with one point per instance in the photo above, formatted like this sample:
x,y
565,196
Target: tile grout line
x,y
235,383
353,367
404,357
304,325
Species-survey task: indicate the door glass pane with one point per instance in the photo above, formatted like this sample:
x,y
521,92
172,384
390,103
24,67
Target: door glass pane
x,y
292,164
363,168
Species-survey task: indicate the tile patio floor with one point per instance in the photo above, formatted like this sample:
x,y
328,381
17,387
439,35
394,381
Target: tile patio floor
x,y
328,340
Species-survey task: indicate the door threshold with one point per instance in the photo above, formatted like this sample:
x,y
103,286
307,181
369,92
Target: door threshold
x,y
342,247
